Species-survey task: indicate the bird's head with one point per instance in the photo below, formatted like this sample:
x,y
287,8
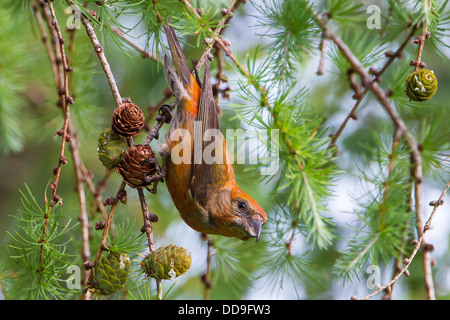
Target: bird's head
x,y
237,214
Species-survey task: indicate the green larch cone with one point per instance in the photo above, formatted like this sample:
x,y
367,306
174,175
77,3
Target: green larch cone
x,y
110,148
421,85
167,263
111,273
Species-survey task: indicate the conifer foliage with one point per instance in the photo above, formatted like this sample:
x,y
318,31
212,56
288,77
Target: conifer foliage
x,y
352,97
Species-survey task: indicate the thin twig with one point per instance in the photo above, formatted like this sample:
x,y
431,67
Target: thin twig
x,y
58,75
395,142
54,39
398,263
148,226
86,292
323,50
63,94
381,97
45,40
97,191
78,167
206,277
392,56
145,54
217,32
77,164
103,61
421,40
148,229
217,91
208,284
351,115
427,226
429,284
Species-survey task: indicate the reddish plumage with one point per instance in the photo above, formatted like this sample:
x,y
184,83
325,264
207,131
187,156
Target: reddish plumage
x,y
206,195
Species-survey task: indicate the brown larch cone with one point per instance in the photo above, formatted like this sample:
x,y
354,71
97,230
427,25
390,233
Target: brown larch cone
x,y
138,165
128,120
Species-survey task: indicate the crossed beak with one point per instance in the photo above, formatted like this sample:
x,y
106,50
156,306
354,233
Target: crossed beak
x,y
255,227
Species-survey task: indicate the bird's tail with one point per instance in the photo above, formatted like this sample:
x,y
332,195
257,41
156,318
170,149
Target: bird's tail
x,y
178,74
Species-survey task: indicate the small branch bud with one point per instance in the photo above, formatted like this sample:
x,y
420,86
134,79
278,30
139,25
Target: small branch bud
x,y
98,48
436,203
420,147
56,198
433,261
109,201
122,196
70,100
226,42
208,41
373,71
88,265
100,225
417,40
428,247
153,217
93,13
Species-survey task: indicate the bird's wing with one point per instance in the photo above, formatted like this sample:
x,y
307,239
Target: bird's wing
x,y
209,169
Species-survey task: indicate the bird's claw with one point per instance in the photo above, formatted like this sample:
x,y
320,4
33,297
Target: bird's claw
x,y
165,112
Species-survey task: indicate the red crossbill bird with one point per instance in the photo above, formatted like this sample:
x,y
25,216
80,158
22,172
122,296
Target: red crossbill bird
x,y
205,192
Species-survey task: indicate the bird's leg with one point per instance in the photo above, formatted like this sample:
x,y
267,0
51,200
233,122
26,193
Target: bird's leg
x,y
164,116
164,113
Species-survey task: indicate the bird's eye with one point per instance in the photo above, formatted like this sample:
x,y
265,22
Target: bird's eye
x,y
241,205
